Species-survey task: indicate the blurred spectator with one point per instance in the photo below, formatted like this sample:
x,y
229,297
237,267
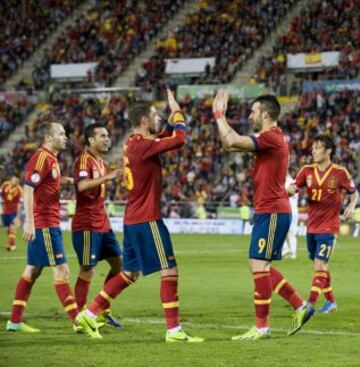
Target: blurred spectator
x,y
112,33
324,25
228,30
25,25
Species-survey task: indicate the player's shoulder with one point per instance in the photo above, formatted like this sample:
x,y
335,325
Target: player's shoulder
x,y
40,158
82,159
341,169
307,168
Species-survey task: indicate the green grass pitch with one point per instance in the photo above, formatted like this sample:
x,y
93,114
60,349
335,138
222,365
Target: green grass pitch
x,y
216,302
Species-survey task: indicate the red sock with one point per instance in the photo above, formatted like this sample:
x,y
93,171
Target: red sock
x,y
169,300
318,284
327,290
22,294
111,290
81,291
11,232
262,297
281,286
65,296
109,277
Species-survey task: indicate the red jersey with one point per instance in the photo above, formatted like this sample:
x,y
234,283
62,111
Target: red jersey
x,y
43,174
271,163
11,196
90,214
143,173
324,195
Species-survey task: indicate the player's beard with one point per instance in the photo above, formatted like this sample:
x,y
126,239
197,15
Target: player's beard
x,y
255,125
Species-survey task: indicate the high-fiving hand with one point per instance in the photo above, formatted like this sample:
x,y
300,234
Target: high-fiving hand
x,y
220,102
173,105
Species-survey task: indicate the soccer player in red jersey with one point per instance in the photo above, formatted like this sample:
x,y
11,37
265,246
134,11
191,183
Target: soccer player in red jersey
x,y
11,193
324,182
42,227
147,243
93,238
272,208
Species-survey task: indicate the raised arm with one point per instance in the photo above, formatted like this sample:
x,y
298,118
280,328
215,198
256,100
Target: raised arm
x,y
230,139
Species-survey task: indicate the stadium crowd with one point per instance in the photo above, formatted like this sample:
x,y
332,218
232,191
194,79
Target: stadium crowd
x,y
112,33
202,173
25,25
326,25
11,115
228,30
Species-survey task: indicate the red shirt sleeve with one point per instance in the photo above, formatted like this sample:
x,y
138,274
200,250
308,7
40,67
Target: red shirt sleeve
x,y
166,132
83,168
346,182
300,180
36,170
156,146
268,140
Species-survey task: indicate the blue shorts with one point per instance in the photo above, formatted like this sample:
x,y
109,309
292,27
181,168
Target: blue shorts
x,y
91,247
268,236
147,247
8,219
320,246
47,249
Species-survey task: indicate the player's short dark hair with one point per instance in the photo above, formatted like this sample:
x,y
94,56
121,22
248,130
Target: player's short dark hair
x,y
328,142
270,104
138,110
89,131
47,129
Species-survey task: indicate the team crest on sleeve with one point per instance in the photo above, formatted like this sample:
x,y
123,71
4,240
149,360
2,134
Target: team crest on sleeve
x,y
35,178
309,180
83,173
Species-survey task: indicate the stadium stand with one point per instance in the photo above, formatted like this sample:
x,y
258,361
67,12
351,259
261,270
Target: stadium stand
x,y
330,25
228,30
25,25
111,33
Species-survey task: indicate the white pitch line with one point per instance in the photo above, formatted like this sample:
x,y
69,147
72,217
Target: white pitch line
x,y
222,326
238,327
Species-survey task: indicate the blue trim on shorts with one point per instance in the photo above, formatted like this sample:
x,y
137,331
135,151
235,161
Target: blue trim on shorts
x,y
47,249
268,236
147,247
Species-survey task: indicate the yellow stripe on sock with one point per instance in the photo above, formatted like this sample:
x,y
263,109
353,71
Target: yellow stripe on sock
x,y
170,304
18,302
127,279
262,301
315,289
70,307
280,285
106,296
321,274
327,290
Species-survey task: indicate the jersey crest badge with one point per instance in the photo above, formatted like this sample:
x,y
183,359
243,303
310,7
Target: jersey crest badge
x,y
332,183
